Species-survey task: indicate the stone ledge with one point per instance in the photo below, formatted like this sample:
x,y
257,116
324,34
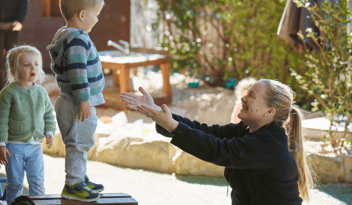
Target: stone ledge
x,y
327,169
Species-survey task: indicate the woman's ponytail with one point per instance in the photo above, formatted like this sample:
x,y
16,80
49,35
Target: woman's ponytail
x,y
294,132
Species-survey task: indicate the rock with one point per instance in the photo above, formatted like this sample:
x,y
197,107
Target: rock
x,y
347,162
190,165
149,155
135,152
58,149
110,149
327,169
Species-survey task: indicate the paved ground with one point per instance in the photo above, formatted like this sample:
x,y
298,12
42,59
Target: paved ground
x,y
152,188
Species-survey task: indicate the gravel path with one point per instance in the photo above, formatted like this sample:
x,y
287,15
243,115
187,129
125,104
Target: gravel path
x,y
152,188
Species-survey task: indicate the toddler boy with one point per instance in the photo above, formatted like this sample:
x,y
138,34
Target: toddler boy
x,y
79,75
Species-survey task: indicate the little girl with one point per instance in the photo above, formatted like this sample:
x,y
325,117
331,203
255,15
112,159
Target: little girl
x,y
26,117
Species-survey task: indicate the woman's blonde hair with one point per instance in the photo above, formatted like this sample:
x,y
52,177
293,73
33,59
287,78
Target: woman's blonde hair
x,y
13,62
69,8
280,97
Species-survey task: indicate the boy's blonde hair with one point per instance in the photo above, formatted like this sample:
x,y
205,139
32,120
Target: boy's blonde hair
x,y
69,8
13,62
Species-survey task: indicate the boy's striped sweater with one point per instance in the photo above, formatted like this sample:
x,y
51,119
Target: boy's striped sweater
x,y
76,63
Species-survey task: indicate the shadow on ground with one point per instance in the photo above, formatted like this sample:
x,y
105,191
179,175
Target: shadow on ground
x,y
215,181
340,191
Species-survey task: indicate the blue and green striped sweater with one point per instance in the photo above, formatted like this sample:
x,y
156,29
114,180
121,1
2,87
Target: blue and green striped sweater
x,y
76,64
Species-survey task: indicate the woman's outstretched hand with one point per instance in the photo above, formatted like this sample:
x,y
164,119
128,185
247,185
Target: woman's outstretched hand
x,y
133,101
162,117
145,105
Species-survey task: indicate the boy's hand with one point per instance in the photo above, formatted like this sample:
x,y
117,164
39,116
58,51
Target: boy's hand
x,y
49,140
3,152
84,110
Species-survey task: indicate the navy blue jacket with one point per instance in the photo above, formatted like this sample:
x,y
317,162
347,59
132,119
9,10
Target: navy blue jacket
x,y
258,166
13,10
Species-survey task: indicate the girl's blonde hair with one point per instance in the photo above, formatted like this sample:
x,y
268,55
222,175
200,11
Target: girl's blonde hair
x,y
280,97
13,62
69,8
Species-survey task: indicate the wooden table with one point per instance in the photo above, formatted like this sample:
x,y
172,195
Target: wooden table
x,y
113,198
121,64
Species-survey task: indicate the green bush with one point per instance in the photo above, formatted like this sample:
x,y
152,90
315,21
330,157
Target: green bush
x,y
329,77
228,38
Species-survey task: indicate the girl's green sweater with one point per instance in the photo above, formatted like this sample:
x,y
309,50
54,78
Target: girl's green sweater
x,y
25,113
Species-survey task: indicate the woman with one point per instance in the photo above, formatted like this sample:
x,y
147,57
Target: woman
x,y
12,15
263,154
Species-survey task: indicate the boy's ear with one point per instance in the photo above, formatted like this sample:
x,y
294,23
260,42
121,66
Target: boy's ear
x,y
81,15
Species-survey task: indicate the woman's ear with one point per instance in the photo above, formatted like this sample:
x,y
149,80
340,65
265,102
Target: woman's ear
x,y
270,112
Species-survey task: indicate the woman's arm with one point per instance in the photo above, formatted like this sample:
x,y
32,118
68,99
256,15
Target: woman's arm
x,y
168,122
222,132
254,151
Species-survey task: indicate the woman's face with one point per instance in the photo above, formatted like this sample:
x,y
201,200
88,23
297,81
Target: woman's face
x,y
254,107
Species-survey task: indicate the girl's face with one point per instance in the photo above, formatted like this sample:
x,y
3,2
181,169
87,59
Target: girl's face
x,y
29,69
254,108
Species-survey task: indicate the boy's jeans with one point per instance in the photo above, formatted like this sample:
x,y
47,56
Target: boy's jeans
x,y
29,158
78,137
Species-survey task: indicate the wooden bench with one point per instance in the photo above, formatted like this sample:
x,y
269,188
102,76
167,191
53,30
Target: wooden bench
x,y
108,198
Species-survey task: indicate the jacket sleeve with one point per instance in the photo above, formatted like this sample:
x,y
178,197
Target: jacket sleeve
x,y
22,10
5,107
253,151
77,53
49,117
221,132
